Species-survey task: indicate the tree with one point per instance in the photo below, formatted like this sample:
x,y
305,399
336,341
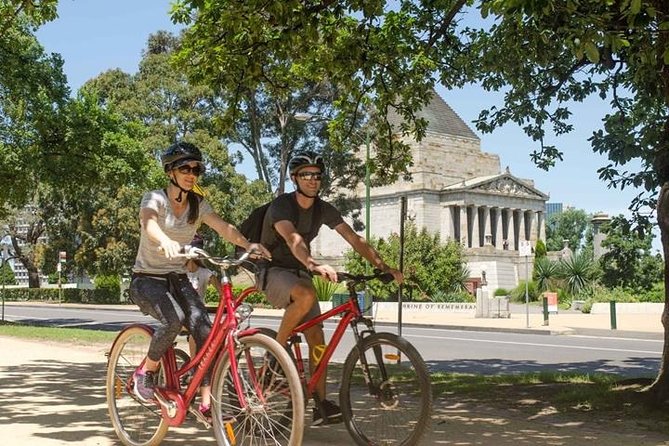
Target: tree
x,y
569,225
546,54
628,261
29,12
7,275
388,56
33,92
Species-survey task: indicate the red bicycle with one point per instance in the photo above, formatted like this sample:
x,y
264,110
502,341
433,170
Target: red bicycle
x,y
385,392
256,392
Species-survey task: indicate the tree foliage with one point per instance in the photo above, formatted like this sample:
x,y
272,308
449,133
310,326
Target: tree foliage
x,y
628,261
431,266
571,225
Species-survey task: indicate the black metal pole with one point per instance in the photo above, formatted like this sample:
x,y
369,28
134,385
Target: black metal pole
x,y
403,216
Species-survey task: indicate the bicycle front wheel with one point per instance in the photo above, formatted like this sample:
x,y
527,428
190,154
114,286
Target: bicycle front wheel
x,y
385,393
135,423
271,392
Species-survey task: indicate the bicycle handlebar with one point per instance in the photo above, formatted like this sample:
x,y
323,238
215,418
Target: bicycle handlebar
x,y
360,278
191,252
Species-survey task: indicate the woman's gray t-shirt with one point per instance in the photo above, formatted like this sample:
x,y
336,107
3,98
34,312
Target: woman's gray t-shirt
x,y
149,259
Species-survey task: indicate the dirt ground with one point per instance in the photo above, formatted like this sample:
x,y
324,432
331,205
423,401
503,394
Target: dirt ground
x,y
53,394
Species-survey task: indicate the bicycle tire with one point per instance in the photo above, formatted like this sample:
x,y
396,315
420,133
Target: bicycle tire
x,y
392,410
276,416
135,423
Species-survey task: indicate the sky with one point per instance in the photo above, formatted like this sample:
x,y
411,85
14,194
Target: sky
x,y
97,35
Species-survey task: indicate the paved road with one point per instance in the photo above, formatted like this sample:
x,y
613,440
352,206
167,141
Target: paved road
x,y
467,351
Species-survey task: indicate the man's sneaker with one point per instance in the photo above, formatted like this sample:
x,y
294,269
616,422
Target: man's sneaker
x,y
143,385
332,413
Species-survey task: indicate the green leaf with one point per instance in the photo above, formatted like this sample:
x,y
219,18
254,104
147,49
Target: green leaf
x,y
666,56
635,6
591,52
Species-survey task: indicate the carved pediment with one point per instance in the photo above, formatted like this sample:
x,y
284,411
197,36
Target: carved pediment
x,y
507,185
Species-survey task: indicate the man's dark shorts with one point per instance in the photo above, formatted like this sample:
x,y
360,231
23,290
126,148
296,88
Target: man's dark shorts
x,y
278,284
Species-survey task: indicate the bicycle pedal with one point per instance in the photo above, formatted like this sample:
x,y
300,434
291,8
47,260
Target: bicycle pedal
x,y
200,418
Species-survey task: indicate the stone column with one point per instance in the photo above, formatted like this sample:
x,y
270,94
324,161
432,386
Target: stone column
x,y
541,226
511,229
532,222
520,214
499,230
447,223
464,227
486,235
476,240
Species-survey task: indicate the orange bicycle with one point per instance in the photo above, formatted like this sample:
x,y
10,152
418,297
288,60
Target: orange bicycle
x,y
257,397
385,392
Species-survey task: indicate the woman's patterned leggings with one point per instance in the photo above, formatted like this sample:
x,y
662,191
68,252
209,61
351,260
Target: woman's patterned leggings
x,y
173,303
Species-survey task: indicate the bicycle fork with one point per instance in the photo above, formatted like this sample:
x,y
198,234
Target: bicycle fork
x,y
360,336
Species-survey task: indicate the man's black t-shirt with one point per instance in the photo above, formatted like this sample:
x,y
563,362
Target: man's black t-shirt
x,y
282,209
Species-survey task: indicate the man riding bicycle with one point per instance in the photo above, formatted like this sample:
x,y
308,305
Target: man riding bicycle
x,y
287,282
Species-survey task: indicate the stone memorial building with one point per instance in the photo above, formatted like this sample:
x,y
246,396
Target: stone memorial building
x,y
463,194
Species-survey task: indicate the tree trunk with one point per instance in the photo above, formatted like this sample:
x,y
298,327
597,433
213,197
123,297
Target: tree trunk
x,y
659,390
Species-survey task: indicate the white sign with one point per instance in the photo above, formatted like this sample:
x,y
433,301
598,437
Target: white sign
x,y
59,267
524,248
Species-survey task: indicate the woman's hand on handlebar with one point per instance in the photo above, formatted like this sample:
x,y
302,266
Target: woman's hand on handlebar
x,y
170,248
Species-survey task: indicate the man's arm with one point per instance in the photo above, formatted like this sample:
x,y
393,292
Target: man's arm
x,y
299,248
360,245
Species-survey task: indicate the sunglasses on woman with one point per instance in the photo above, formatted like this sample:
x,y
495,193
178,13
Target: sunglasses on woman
x,y
196,170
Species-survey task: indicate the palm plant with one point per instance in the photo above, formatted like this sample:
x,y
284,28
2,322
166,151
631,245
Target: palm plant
x,y
546,274
324,288
578,272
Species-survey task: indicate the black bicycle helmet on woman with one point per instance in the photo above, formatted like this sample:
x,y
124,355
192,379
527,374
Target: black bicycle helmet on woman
x,y
179,154
303,159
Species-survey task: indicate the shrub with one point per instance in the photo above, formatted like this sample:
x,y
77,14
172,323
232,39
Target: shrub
x,y
501,292
518,293
599,293
454,296
69,295
654,294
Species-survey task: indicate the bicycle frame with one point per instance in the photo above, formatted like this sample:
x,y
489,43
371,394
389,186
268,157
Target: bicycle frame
x,y
351,311
220,340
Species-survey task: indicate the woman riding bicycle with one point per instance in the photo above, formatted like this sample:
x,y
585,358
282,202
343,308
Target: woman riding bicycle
x,y
169,219
287,283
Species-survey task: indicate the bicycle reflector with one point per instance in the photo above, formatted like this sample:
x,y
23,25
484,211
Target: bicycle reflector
x,y
392,357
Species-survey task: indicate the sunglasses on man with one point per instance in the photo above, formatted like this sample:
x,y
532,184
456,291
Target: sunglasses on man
x,y
310,176
196,170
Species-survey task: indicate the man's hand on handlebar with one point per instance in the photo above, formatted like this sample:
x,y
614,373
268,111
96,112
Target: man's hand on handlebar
x,y
259,251
397,275
326,272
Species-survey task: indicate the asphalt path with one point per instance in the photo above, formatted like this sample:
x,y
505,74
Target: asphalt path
x,y
482,352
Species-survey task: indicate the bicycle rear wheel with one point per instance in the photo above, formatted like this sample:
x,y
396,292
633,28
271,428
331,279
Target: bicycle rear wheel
x,y
392,405
135,423
271,390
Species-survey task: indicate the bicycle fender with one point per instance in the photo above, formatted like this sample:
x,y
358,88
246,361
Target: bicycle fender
x,y
248,332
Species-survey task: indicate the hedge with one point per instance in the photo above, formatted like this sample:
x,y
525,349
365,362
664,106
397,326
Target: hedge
x,y
69,295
